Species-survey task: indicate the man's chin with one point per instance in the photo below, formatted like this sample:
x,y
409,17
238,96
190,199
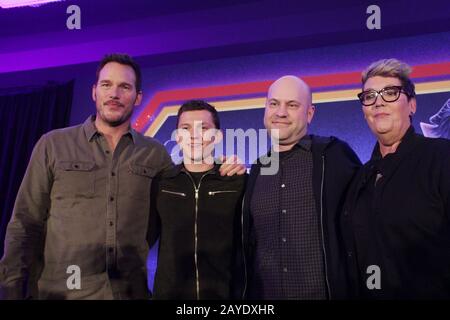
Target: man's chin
x,y
193,160
115,121
280,137
198,159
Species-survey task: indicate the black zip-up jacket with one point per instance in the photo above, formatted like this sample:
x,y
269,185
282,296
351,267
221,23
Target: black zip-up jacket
x,y
200,234
402,223
334,165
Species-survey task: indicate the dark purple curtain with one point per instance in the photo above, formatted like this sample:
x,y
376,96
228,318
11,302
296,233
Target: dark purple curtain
x,y
25,115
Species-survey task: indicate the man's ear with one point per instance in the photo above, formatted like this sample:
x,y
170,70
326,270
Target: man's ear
x,y
412,106
138,98
310,111
177,136
94,95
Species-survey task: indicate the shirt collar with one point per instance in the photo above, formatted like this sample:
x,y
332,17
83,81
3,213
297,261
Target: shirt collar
x,y
304,143
403,146
214,169
91,131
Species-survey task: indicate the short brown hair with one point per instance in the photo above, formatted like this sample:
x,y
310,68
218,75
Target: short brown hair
x,y
195,105
124,59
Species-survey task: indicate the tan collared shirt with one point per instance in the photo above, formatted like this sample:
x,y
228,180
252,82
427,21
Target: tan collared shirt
x,y
82,205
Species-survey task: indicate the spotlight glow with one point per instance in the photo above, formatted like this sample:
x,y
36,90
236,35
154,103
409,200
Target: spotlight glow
x,y
7,4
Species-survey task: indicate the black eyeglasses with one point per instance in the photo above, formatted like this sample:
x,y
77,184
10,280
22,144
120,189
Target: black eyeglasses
x,y
388,94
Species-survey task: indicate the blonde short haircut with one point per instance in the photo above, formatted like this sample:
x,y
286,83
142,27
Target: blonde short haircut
x,y
391,68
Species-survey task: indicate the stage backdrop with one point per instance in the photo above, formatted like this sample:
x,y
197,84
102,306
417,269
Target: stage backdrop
x,y
237,87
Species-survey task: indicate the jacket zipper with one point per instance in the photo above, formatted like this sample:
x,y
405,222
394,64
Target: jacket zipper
x,y
173,192
197,280
321,226
212,193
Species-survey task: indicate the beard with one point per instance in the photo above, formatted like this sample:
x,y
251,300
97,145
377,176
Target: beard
x,y
114,121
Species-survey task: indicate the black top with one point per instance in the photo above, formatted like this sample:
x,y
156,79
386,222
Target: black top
x,y
397,219
199,237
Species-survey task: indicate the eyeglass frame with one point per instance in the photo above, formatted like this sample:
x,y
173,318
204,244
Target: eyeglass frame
x,y
379,93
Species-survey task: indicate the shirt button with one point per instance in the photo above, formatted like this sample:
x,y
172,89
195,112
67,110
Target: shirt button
x,y
111,198
283,239
283,185
113,174
283,211
349,254
111,223
284,269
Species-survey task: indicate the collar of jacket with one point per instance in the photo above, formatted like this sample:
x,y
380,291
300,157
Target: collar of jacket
x,y
407,142
406,146
178,169
318,147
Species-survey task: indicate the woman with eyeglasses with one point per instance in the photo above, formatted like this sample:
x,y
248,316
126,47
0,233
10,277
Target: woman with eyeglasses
x,y
396,220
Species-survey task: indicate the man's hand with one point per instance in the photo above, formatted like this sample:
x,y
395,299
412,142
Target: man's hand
x,y
231,166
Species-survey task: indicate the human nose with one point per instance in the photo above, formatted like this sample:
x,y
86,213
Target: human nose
x,y
379,101
196,133
282,110
114,92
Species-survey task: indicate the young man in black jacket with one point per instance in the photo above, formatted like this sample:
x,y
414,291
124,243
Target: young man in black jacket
x,y
294,247
198,213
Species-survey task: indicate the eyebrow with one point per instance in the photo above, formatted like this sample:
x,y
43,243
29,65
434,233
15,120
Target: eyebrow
x,y
120,84
204,123
386,86
290,101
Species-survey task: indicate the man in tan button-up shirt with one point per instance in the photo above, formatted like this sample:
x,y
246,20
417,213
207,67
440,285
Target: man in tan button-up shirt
x,y
80,221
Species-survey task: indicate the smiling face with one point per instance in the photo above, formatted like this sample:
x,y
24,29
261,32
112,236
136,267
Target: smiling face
x,y
288,111
115,94
388,120
197,135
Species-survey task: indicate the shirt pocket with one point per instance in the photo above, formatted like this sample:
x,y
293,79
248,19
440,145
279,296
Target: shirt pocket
x,y
74,178
140,179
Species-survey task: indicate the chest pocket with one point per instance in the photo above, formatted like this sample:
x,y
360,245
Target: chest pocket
x,y
140,179
74,178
